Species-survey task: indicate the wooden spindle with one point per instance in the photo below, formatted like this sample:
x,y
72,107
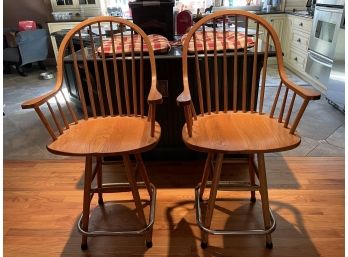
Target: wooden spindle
x,y
188,118
96,70
253,82
299,116
235,63
245,62
225,65
275,102
116,77
216,79
62,113
89,84
71,110
134,81
79,82
45,122
193,111
54,118
281,113
105,72
125,78
290,110
264,72
153,119
206,69
142,77
198,78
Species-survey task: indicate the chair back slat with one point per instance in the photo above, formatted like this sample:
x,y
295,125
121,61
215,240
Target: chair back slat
x,y
105,72
245,60
198,77
96,71
225,65
134,80
207,72
141,91
264,72
88,78
235,66
78,81
115,69
216,78
253,83
125,77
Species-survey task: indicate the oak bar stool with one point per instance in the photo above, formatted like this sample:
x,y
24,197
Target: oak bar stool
x,y
111,85
230,117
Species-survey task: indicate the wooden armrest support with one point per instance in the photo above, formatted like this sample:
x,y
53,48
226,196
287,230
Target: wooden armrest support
x,y
184,98
303,92
154,96
37,101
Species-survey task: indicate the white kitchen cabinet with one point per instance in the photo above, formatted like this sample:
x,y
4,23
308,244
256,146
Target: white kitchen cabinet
x,y
83,7
297,32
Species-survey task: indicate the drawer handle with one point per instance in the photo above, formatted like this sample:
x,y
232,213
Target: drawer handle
x,y
272,20
295,59
299,40
301,24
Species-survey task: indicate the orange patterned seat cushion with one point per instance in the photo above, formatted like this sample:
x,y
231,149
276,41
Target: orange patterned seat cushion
x,y
209,36
160,44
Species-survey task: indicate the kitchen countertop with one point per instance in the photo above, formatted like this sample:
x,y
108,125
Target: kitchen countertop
x,y
258,12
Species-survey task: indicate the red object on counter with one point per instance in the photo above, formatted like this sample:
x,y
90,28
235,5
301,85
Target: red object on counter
x,y
183,22
26,25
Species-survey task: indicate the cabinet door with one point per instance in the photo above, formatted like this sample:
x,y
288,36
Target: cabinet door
x,y
277,22
88,3
58,5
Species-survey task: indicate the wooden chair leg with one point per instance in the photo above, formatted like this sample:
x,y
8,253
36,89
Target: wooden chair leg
x,y
264,197
206,173
130,172
86,199
143,172
100,180
252,177
212,197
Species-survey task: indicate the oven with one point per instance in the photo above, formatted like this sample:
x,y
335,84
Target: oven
x,y
326,53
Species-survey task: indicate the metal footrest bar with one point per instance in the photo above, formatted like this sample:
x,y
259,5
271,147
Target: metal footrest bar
x,y
115,187
229,232
122,233
237,186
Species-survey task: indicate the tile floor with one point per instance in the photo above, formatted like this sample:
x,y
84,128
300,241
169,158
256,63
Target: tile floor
x,y
24,138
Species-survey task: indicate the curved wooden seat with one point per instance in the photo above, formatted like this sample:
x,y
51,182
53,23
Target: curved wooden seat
x,y
239,133
106,136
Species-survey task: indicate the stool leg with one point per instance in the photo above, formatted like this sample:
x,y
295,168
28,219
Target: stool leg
x,y
100,180
131,179
86,199
206,173
264,197
252,177
212,197
143,172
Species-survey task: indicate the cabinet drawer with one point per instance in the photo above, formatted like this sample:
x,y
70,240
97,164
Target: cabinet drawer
x,y
300,23
297,59
299,40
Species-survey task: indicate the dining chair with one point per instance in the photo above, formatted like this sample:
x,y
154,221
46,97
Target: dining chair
x,y
114,72
225,65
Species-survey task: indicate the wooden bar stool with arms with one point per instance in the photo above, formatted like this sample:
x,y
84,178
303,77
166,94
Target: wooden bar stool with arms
x,y
226,86
112,74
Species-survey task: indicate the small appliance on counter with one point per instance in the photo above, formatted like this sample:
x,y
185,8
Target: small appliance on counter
x,y
154,17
